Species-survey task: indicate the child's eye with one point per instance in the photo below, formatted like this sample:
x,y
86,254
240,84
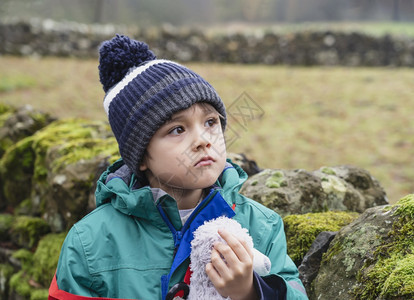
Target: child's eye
x,y
176,130
211,122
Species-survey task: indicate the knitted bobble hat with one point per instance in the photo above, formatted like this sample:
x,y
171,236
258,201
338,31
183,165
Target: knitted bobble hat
x,y
143,92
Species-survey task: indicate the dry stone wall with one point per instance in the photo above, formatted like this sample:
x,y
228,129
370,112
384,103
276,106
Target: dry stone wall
x,y
47,181
50,38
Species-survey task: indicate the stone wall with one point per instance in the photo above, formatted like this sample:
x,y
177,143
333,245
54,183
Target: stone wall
x,y
50,38
48,170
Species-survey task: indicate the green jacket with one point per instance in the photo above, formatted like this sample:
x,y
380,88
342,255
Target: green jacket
x,y
133,245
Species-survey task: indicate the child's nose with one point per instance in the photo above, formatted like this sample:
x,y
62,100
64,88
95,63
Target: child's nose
x,y
201,139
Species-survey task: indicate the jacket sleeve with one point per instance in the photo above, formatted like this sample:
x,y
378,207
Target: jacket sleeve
x,y
72,274
272,288
284,275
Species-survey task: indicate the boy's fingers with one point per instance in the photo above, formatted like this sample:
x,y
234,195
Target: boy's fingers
x,y
212,273
218,263
240,247
221,251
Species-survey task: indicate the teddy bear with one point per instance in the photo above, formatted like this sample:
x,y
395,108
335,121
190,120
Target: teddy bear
x,y
204,238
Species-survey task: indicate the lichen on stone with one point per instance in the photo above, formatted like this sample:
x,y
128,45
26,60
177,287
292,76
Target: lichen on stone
x,y
328,171
390,273
301,230
276,180
332,184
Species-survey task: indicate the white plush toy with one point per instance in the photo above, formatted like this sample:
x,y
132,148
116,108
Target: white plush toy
x,y
204,238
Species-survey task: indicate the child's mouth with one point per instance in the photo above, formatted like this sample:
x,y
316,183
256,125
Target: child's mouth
x,y
205,161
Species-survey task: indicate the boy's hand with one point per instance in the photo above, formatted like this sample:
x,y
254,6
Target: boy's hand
x,y
232,275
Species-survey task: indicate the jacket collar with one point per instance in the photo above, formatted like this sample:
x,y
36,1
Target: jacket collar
x,y
119,186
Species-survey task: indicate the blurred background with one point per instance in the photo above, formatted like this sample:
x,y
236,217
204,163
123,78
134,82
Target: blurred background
x,y
210,12
308,84
334,78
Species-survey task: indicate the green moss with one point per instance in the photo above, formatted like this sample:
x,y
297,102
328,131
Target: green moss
x,y
25,257
46,258
28,230
39,294
6,221
76,140
86,149
17,184
276,180
400,280
5,113
5,108
390,273
328,171
6,271
24,207
254,182
332,251
53,147
38,267
301,230
19,283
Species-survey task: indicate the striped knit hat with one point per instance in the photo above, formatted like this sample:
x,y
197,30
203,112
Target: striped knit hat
x,y
143,92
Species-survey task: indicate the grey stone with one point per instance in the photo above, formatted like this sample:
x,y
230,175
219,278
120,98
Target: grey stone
x,y
309,267
343,188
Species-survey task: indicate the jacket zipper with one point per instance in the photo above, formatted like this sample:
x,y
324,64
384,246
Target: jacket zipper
x,y
178,234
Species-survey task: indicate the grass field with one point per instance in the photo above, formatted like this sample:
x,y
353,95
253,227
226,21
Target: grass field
x,y
313,117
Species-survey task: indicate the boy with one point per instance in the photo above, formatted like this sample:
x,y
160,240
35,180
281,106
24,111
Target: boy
x,y
173,176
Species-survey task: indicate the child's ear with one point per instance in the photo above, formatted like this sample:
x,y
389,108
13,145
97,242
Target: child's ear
x,y
143,166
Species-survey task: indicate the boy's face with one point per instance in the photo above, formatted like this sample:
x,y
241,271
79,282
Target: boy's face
x,y
188,152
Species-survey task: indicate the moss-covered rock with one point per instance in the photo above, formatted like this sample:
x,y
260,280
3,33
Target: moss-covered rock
x,y
41,294
56,169
6,221
26,231
16,172
341,188
301,230
37,269
5,112
390,273
6,271
371,258
24,257
19,286
46,258
16,124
